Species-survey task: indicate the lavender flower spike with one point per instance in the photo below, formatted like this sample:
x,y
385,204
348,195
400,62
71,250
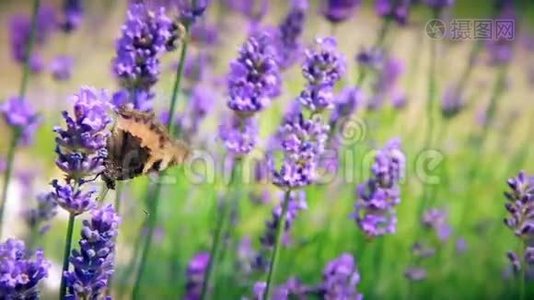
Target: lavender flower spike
x,y
340,278
195,275
20,274
146,35
289,32
378,196
20,115
93,263
520,206
254,77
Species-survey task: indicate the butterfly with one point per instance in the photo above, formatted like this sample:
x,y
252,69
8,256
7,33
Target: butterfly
x,y
139,144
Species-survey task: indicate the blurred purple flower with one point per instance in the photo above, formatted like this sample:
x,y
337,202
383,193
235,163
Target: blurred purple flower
x,y
346,103
20,31
81,147
337,11
200,103
452,103
94,262
21,116
378,196
191,10
38,217
437,220
61,67
239,135
415,274
254,77
146,35
499,51
72,15
399,100
20,274
373,58
289,33
195,275
396,10
340,279
204,34
254,10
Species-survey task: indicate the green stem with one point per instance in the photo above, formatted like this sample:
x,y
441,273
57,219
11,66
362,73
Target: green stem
x,y
22,93
118,195
177,81
153,212
522,272
151,222
66,255
220,230
275,253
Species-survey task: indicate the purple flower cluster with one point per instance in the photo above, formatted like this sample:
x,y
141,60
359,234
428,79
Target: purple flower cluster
x,y
253,81
191,10
297,203
437,220
254,77
291,289
20,32
396,10
346,103
81,148
378,196
199,105
195,275
289,32
72,15
337,11
93,263
520,206
19,273
302,142
21,117
340,278
38,218
323,67
253,10
146,35
386,84
452,102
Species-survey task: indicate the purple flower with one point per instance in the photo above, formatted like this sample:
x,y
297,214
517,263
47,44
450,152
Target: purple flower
x,y
20,116
439,4
297,202
289,32
324,64
204,34
195,275
302,142
81,147
346,103
254,77
378,196
292,289
372,58
191,10
520,205
20,29
415,274
337,11
500,51
72,15
19,273
393,9
93,262
437,220
340,278
61,67
73,200
38,218
452,103
146,35
239,135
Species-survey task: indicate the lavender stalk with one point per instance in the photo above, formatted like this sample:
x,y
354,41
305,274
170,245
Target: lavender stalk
x,y
16,134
